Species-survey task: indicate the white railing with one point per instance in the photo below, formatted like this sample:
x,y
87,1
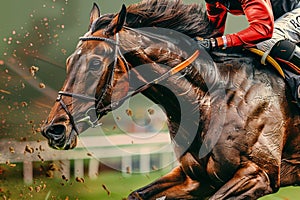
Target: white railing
x,y
94,148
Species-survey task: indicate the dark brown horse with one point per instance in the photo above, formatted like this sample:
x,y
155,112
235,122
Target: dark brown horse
x,y
232,121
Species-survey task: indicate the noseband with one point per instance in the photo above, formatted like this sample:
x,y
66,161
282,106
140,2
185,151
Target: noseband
x,y
87,119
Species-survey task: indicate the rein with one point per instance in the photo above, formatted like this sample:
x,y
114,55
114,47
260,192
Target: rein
x,y
87,118
142,88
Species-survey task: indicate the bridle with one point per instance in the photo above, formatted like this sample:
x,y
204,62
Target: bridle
x,y
87,118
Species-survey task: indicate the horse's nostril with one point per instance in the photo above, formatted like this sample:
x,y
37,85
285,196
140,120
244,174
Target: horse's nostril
x,y
56,129
55,132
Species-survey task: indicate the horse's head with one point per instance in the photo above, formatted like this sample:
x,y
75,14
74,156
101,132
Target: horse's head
x,y
96,75
97,72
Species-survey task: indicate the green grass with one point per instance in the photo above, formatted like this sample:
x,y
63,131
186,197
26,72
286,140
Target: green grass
x,y
108,185
286,193
117,187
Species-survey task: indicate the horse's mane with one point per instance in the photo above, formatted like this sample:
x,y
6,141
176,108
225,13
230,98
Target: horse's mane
x,y
189,19
173,14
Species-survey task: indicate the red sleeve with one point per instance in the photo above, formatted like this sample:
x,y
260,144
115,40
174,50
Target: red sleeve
x,y
217,14
261,24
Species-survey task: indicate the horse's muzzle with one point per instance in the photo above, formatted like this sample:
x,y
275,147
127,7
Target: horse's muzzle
x,y
58,138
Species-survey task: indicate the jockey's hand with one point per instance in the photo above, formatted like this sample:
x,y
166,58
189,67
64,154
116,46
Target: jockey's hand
x,y
207,44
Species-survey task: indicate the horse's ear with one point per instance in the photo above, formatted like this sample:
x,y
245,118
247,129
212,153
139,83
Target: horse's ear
x,y
118,22
95,14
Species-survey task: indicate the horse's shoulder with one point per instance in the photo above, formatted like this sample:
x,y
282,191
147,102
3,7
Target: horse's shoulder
x,y
240,68
243,61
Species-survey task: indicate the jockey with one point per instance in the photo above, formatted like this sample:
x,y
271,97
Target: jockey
x,y
274,28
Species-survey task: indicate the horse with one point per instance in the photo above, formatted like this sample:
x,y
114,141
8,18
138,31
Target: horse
x,y
233,123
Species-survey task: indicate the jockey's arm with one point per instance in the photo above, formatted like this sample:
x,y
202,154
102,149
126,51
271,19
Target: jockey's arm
x,y
260,17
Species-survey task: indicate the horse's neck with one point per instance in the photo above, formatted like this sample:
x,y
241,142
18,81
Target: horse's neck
x,y
149,60
185,96
202,75
188,86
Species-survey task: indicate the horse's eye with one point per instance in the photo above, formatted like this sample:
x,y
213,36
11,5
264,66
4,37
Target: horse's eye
x,y
95,64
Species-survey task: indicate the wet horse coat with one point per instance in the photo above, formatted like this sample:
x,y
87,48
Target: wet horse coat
x,y
233,124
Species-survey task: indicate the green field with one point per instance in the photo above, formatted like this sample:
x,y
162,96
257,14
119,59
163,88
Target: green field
x,y
108,185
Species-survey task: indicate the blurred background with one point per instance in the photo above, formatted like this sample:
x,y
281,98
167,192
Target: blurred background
x,y
36,37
